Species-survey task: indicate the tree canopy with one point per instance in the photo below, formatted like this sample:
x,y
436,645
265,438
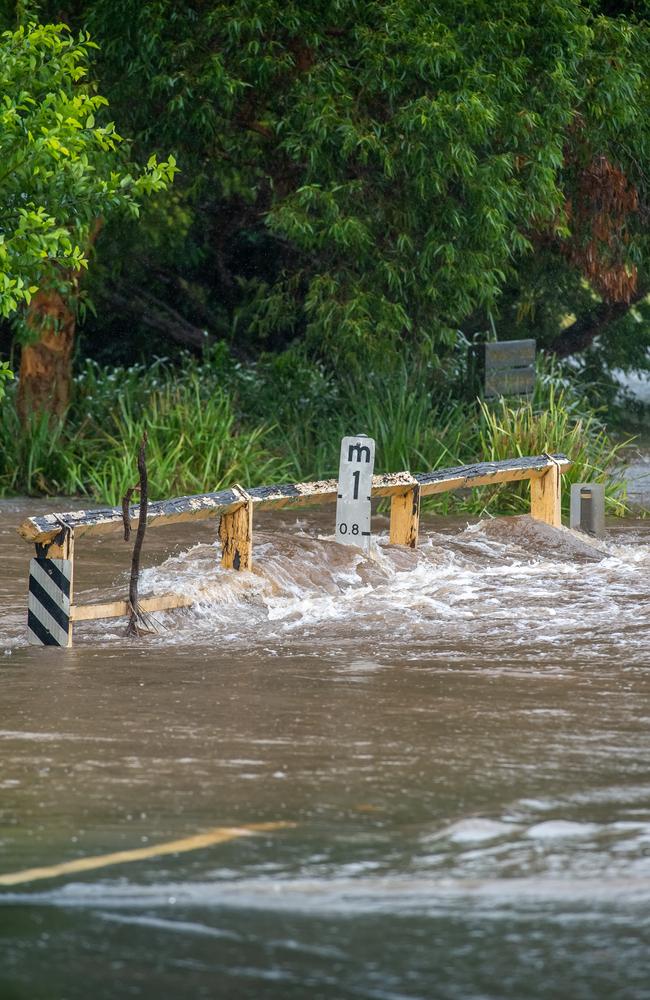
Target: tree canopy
x,y
60,170
366,176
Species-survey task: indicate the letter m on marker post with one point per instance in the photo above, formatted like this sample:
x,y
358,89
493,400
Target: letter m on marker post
x,y
355,451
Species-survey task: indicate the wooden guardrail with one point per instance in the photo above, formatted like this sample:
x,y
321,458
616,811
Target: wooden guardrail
x,y
51,607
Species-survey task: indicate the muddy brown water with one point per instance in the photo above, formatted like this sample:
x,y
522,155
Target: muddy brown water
x,y
461,736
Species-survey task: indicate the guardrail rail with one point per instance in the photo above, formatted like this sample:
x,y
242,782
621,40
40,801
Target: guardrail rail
x,y
52,611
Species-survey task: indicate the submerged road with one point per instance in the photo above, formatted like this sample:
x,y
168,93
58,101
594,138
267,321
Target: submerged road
x,y
456,739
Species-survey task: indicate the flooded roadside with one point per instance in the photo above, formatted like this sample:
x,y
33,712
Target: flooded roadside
x,y
459,734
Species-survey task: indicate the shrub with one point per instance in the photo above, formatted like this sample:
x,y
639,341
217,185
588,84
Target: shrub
x,y
217,422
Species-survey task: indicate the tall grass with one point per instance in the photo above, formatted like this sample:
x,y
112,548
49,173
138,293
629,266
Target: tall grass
x,y
36,459
215,423
507,431
410,429
194,445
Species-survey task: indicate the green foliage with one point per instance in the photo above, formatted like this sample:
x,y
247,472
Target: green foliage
x,y
367,182
5,374
368,174
304,401
508,431
418,426
40,458
401,410
195,443
218,422
60,167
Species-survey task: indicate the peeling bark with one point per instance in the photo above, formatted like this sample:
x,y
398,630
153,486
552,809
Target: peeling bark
x,y
45,375
46,364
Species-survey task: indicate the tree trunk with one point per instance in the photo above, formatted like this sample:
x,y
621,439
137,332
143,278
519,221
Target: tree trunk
x,y
46,363
45,376
582,333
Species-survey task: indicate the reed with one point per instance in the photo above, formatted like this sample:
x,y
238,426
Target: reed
x,y
214,423
194,444
507,431
400,411
37,459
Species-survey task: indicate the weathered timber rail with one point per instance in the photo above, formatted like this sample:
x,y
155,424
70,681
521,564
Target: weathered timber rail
x,y
52,610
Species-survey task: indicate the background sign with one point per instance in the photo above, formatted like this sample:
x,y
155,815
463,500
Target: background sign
x,y
355,482
509,368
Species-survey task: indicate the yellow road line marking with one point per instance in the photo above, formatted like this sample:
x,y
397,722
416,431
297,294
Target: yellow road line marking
x,y
219,835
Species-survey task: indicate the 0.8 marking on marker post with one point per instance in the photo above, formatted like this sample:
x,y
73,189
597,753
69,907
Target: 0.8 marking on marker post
x,y
353,495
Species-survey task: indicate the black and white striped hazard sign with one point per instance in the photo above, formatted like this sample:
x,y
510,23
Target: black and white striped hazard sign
x,y
48,617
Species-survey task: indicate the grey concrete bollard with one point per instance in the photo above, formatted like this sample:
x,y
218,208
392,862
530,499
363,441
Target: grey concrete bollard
x,y
588,508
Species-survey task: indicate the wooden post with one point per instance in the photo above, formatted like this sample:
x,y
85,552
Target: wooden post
x,y
49,622
236,534
405,518
545,497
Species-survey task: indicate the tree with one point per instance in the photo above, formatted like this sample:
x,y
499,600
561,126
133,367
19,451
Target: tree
x,y
61,174
377,175
5,374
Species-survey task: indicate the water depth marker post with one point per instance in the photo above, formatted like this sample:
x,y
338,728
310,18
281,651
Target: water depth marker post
x,y
353,508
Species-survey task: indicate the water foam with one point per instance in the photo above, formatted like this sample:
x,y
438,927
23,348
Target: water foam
x,y
503,582
392,894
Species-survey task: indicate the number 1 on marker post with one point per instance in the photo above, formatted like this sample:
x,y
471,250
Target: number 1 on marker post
x,y
354,489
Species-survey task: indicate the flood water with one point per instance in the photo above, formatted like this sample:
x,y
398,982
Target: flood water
x,y
459,736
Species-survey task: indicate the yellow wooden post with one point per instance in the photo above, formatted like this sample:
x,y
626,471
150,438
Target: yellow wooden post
x,y
545,497
236,534
63,546
405,518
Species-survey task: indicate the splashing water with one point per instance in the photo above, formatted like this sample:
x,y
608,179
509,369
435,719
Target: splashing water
x,y
495,586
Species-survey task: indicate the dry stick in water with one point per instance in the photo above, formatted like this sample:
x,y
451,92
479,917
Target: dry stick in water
x,y
138,621
126,500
